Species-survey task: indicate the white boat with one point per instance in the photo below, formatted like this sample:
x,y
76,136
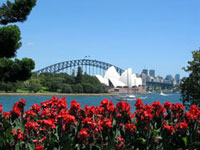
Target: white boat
x,y
129,97
162,94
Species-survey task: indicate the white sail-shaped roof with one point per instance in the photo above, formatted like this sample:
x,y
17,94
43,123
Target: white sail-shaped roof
x,y
116,83
126,77
102,80
133,80
112,73
138,81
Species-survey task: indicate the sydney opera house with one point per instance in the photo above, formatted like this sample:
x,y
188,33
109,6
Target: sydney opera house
x,y
118,83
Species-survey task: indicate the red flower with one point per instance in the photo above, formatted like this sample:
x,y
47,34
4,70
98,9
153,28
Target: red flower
x,y
68,120
158,109
48,123
167,105
39,147
123,107
22,103
31,125
6,114
18,134
107,106
83,134
1,109
104,103
120,143
62,103
182,126
179,107
130,127
36,108
168,128
198,132
16,110
107,122
75,105
139,104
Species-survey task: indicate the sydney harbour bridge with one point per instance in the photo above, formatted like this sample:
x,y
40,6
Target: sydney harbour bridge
x,y
91,67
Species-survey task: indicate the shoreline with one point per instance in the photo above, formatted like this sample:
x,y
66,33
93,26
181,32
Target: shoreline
x,y
57,94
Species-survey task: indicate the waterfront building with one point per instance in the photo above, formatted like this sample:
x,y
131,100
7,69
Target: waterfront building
x,y
152,73
113,79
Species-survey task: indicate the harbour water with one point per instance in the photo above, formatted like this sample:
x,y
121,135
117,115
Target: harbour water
x,y
8,101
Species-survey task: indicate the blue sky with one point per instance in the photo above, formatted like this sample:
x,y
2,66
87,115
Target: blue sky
x,y
151,34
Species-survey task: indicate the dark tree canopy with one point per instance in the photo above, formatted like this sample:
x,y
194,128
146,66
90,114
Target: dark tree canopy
x,y
17,70
16,11
190,86
9,41
10,36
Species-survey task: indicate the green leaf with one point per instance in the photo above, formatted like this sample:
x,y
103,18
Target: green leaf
x,y
1,141
31,146
185,140
114,122
142,140
8,132
155,132
77,146
117,134
17,146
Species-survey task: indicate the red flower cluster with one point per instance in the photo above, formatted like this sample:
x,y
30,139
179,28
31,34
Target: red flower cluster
x,y
52,123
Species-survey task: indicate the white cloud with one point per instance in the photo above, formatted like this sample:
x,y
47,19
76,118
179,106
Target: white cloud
x,y
30,44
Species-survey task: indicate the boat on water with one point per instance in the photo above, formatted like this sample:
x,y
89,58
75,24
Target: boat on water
x,y
129,97
162,94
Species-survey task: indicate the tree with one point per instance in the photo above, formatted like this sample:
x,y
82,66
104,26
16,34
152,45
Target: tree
x,y
9,41
66,88
79,75
34,85
10,37
15,70
190,86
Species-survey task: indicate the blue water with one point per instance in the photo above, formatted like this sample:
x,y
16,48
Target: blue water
x,y
8,101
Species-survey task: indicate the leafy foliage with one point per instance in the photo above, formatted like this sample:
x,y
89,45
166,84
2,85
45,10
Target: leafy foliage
x,y
17,70
190,86
17,11
10,36
9,41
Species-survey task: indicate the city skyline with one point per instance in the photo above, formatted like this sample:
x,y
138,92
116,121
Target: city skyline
x,y
138,34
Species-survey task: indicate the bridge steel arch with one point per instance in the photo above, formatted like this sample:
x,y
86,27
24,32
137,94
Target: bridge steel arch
x,y
55,68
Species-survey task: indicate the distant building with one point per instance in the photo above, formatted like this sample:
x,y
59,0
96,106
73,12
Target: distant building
x,y
152,73
169,77
145,71
177,78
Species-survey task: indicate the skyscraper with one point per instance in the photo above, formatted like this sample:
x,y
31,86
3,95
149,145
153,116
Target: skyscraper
x,y
177,78
145,71
152,73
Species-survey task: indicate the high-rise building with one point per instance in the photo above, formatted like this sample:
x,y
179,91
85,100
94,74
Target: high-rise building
x,y
169,77
152,73
177,78
145,71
